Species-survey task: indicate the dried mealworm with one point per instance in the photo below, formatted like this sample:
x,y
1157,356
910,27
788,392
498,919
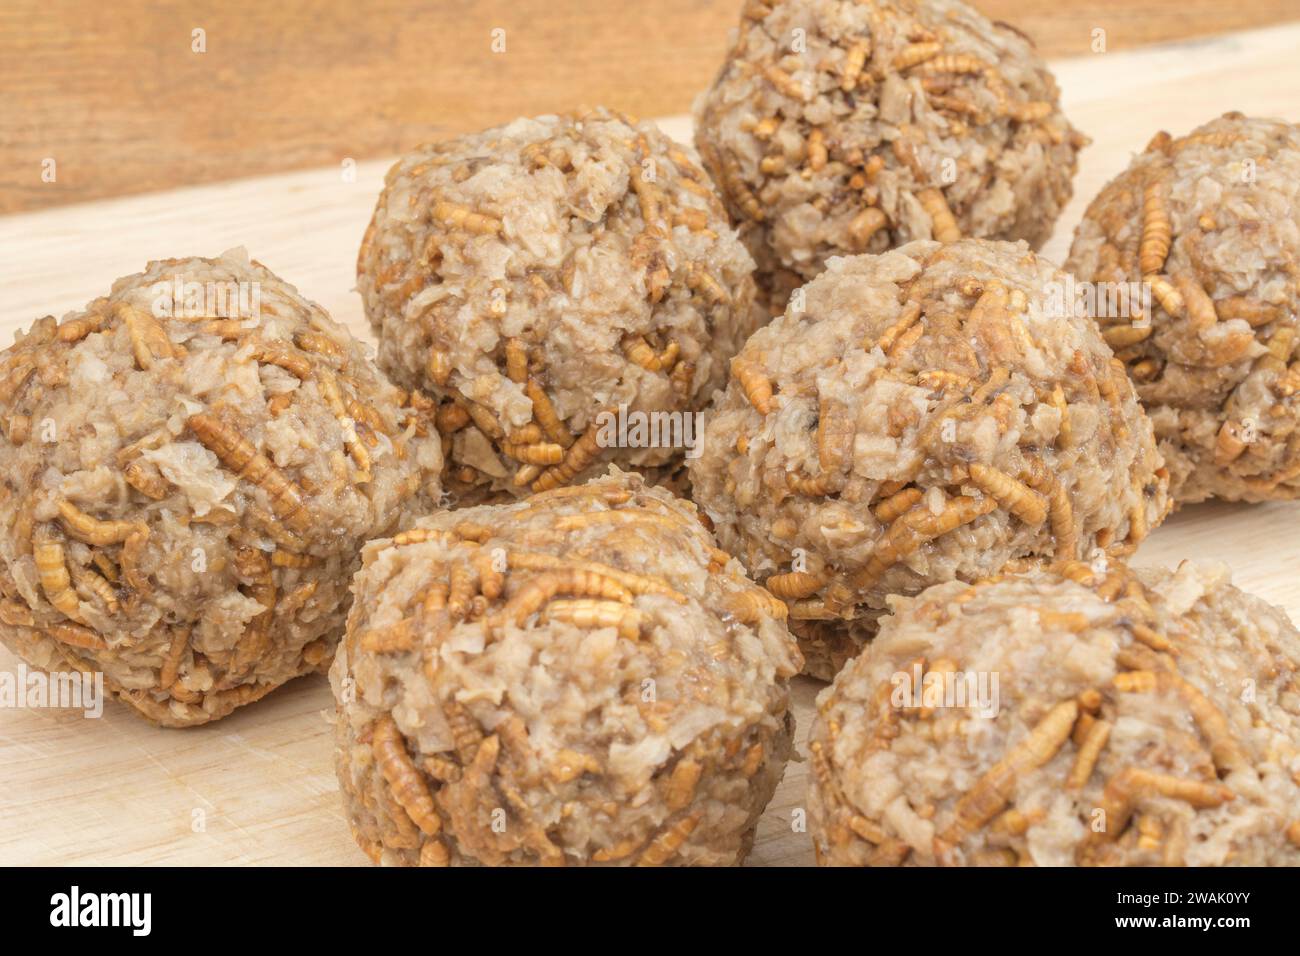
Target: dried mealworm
x,y
396,638
461,217
1089,752
1123,791
146,479
755,384
943,225
1199,306
546,414
958,63
540,453
794,585
916,54
636,583
854,60
906,319
175,653
915,528
1015,496
516,361
238,454
896,504
91,583
91,530
438,366
1157,233
669,841
863,226
1163,291
75,635
591,613
538,592
52,572
581,454
148,338
682,783
994,788
403,777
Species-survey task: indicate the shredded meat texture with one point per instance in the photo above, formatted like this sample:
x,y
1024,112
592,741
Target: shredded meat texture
x,y
1208,225
1081,715
539,274
190,466
841,126
581,678
933,413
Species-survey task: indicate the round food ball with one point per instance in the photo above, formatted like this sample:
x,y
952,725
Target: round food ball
x,y
1208,227
580,679
537,275
1080,716
839,127
191,465
935,412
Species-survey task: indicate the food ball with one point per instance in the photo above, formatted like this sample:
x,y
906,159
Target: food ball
x,y
190,466
1077,716
935,412
581,679
546,279
839,127
1192,254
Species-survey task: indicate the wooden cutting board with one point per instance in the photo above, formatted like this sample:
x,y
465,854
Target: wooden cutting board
x,y
259,786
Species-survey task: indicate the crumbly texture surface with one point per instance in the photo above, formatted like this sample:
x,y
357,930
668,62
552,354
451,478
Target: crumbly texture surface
x,y
1140,718
185,492
578,679
536,275
935,412
839,126
1210,223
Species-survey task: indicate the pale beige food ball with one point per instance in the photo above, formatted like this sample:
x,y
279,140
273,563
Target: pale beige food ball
x,y
841,126
190,467
1079,716
538,275
935,412
1208,224
581,678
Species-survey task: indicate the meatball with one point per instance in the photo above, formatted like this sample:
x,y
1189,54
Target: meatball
x,y
569,288
839,127
1190,255
190,466
931,413
581,678
1082,715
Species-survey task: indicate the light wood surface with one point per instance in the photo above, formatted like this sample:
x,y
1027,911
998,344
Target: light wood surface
x,y
115,790
118,97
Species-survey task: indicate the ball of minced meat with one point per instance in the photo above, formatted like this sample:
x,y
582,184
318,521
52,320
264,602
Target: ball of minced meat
x,y
581,678
542,274
1084,715
191,465
1192,252
839,127
935,412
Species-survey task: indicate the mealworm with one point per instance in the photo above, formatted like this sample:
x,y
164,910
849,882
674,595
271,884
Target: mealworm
x,y
943,225
92,530
238,454
403,777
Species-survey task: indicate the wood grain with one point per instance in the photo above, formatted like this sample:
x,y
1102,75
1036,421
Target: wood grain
x,y
259,787
115,95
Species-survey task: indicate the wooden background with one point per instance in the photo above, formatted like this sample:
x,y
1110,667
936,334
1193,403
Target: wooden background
x,y
114,94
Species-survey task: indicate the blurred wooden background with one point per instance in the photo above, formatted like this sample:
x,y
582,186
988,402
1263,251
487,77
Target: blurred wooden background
x,y
117,96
